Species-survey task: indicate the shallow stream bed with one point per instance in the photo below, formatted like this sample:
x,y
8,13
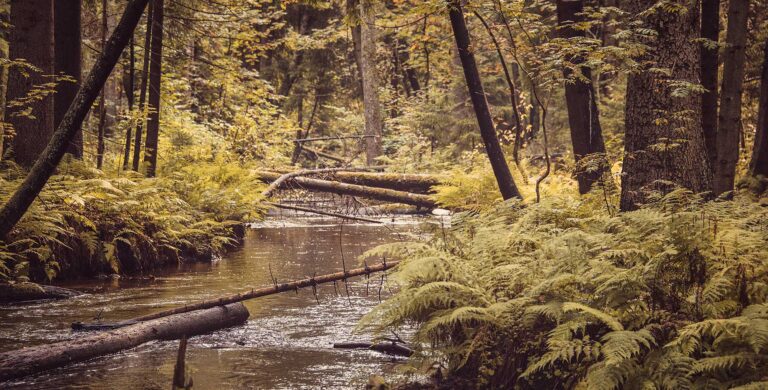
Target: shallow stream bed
x,y
286,344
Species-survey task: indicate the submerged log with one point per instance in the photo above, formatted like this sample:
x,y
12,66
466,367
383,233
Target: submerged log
x,y
31,360
335,187
26,291
388,348
319,212
256,293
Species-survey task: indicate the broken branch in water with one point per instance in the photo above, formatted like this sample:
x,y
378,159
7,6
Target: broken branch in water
x,y
390,348
307,210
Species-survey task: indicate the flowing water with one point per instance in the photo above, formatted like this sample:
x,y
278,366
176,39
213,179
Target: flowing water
x,y
286,344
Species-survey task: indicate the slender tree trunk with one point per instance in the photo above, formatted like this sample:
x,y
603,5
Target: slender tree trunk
x,y
371,105
583,116
68,61
100,147
477,94
353,13
710,30
143,92
729,119
758,166
155,77
129,90
31,39
44,167
664,142
5,15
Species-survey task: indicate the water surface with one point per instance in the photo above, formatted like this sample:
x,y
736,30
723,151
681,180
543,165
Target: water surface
x,y
286,344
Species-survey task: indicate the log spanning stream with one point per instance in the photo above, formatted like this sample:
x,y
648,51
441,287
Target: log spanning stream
x,y
287,343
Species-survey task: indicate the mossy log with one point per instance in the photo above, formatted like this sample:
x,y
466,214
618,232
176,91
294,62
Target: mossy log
x,y
31,360
26,291
416,183
334,187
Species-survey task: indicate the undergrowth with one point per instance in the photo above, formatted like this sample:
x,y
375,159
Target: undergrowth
x,y
567,294
86,222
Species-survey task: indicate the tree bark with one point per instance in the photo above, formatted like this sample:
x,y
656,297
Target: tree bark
x,y
5,15
68,62
101,146
44,167
664,141
758,165
334,187
729,119
372,107
155,80
32,39
128,86
477,94
143,92
710,30
31,360
580,99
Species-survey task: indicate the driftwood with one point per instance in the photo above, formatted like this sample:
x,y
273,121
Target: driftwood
x,y
180,380
261,292
334,187
26,361
388,348
337,215
18,292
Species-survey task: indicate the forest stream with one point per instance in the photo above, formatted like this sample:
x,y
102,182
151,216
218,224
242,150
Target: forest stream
x,y
287,342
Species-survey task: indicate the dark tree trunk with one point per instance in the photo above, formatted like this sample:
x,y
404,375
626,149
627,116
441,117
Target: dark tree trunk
x,y
477,94
583,117
710,29
664,141
129,88
44,167
143,92
100,147
759,163
31,39
729,120
155,76
68,61
353,12
5,14
374,124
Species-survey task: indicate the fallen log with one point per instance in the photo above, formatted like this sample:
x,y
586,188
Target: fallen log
x,y
313,139
334,187
388,348
337,215
26,291
414,182
318,153
306,172
31,360
261,292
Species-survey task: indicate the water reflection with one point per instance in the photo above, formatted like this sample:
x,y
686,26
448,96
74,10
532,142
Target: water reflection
x,y
285,344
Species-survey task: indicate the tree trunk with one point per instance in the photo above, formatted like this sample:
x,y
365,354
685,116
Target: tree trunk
x,y
68,62
101,146
759,163
129,90
44,167
580,99
710,30
31,360
335,187
31,39
155,76
370,75
729,120
5,15
477,94
143,92
664,141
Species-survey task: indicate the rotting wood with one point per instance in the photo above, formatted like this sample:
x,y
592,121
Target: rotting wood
x,y
319,153
308,210
313,139
408,182
306,172
339,188
31,360
276,289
